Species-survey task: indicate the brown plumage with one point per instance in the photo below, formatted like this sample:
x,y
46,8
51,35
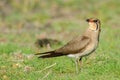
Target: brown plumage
x,y
71,47
80,46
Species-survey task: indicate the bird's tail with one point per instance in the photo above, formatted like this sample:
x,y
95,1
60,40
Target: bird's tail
x,y
49,54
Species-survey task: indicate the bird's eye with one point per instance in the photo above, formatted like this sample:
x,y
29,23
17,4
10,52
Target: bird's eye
x,y
95,20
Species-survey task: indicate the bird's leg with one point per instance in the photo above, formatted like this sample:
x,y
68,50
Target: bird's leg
x,y
76,64
80,62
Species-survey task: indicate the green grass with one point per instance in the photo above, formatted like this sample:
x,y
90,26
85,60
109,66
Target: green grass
x,y
23,24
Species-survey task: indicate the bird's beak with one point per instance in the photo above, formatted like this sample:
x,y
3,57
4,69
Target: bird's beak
x,y
87,20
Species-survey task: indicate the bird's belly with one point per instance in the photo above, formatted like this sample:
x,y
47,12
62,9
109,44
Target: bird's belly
x,y
71,55
77,55
88,51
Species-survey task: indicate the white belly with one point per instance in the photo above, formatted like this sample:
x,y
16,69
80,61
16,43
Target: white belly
x,y
71,55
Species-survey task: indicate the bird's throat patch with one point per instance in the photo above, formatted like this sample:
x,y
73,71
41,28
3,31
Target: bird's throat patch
x,y
93,26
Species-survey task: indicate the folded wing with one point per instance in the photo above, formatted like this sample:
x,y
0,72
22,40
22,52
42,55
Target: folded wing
x,y
74,46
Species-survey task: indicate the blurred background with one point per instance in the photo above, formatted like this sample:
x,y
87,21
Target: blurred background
x,y
24,23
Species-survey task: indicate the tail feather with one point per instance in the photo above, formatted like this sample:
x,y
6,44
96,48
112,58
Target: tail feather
x,y
49,54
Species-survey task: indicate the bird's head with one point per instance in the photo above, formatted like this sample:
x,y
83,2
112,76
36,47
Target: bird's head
x,y
94,23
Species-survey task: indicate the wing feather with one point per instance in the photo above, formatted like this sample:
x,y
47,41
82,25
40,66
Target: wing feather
x,y
74,46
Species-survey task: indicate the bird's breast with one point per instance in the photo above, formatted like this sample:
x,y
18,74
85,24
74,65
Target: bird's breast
x,y
92,47
88,50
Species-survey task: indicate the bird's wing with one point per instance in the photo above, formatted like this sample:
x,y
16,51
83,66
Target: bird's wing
x,y
74,46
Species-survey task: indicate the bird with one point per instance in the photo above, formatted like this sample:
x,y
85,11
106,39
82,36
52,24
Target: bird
x,y
79,47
